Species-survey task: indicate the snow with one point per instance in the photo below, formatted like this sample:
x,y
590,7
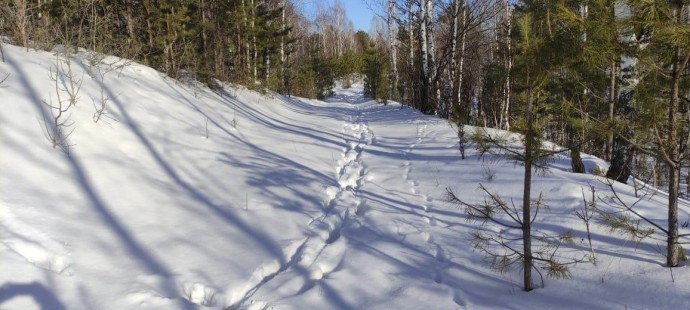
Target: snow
x,y
181,198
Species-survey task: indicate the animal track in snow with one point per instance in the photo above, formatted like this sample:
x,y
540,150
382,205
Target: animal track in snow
x,y
199,294
147,292
33,245
320,253
438,276
458,300
430,220
266,272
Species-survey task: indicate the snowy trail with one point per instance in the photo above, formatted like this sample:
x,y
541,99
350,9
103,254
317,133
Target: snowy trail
x,y
331,257
321,253
189,198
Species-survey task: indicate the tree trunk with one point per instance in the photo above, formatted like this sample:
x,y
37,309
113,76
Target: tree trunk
x,y
424,45
21,21
204,32
392,40
672,241
130,23
620,161
613,94
410,31
255,57
674,156
574,145
621,152
530,136
505,116
149,26
282,47
455,68
247,52
576,160
433,65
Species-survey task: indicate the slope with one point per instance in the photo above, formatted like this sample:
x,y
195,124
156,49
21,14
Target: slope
x,y
180,197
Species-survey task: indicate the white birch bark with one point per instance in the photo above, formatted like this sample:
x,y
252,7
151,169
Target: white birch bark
x,y
393,41
505,117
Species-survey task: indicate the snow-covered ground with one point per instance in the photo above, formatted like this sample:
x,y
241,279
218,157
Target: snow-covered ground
x,y
180,197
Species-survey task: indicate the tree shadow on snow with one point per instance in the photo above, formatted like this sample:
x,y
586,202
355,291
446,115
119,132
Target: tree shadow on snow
x,y
136,250
42,296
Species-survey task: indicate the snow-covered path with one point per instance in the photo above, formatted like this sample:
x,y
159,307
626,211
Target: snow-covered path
x,y
182,198
363,209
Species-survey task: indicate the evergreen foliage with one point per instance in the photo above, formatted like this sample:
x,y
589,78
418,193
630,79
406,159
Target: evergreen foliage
x,y
606,77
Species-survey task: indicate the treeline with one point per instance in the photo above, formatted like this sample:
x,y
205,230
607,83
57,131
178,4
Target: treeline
x,y
607,77
267,44
600,73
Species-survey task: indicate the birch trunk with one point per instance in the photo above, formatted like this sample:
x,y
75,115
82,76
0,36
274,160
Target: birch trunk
x,y
392,39
431,50
410,32
453,59
424,46
283,27
255,55
505,116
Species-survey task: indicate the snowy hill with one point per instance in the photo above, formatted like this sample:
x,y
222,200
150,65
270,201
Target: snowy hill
x,y
180,197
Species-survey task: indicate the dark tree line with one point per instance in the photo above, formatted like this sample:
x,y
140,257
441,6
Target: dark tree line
x,y
266,44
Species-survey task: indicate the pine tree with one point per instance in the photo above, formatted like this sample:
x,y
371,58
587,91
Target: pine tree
x,y
663,29
537,47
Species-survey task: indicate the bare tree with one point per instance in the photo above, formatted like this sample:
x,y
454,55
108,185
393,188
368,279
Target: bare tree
x,y
585,214
339,25
17,12
58,129
393,46
504,122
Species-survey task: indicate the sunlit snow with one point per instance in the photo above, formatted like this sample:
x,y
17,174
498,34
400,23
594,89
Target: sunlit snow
x,y
180,197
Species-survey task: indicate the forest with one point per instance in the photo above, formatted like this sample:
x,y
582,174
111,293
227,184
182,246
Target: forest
x,y
595,75
609,78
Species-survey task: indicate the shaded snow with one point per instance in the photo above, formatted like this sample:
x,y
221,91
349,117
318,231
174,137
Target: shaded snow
x,y
187,198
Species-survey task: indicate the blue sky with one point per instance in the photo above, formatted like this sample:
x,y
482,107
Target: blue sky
x,y
358,11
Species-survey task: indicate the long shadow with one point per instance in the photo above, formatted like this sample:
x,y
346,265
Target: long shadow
x,y
264,241
394,204
605,239
39,293
412,156
266,177
349,96
419,266
299,106
137,251
261,118
263,154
